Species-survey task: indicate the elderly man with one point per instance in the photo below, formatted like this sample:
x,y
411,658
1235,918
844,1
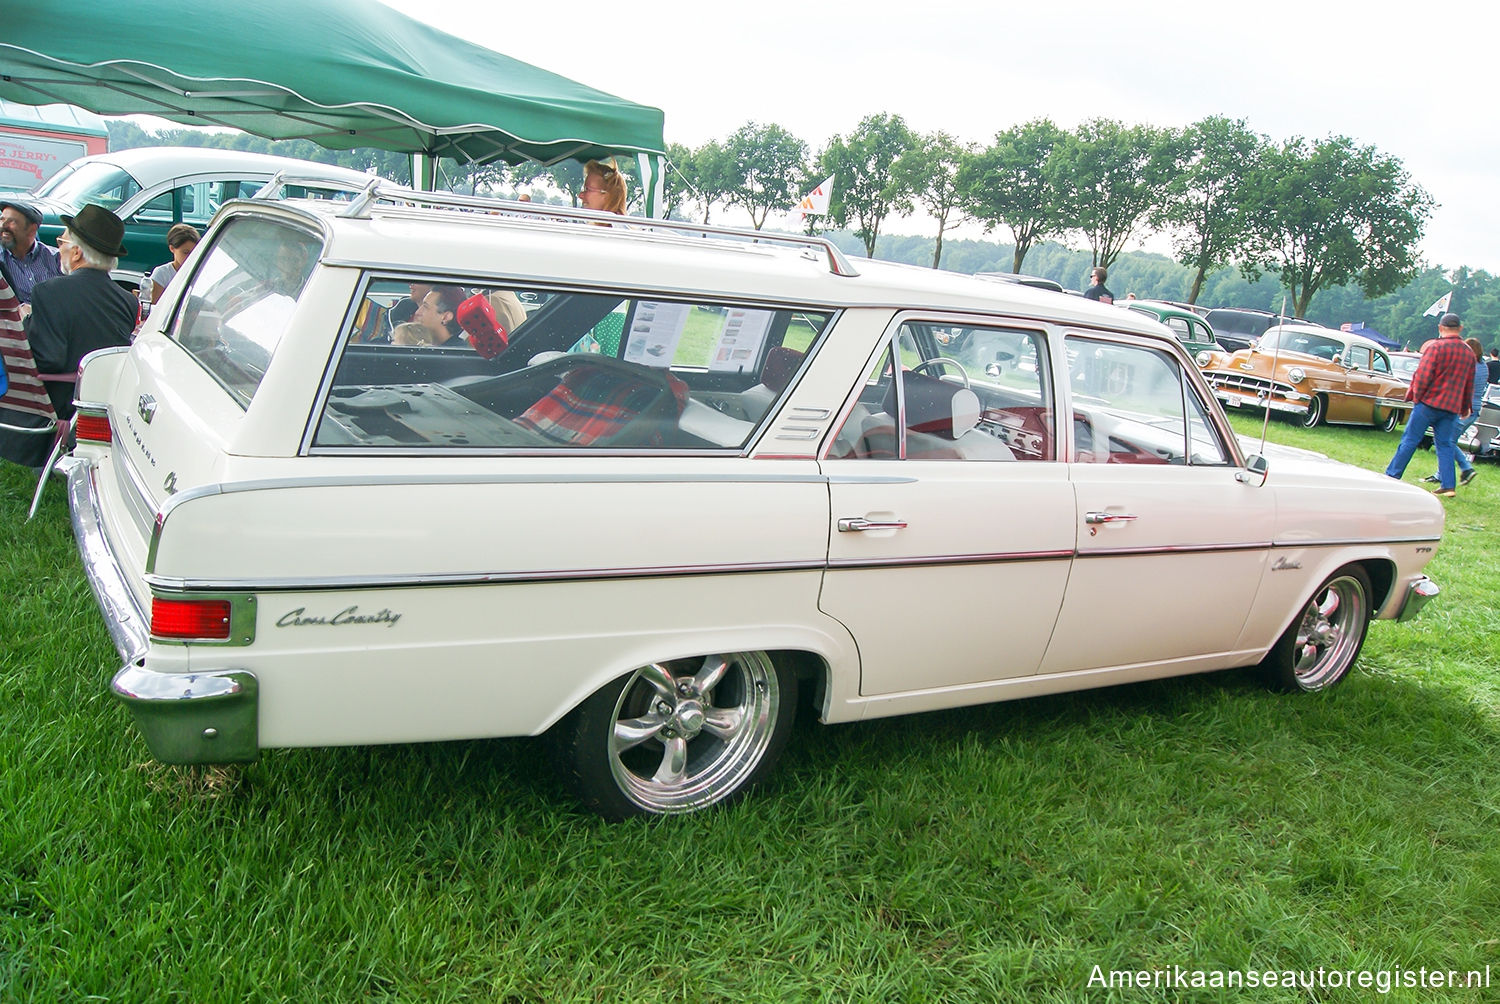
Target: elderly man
x,y
1442,389
83,310
27,261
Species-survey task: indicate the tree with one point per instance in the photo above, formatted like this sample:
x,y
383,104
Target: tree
x,y
1111,178
930,171
1012,183
705,173
867,189
766,163
1207,200
1331,213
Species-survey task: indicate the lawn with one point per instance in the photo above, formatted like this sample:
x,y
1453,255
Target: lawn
x,y
992,854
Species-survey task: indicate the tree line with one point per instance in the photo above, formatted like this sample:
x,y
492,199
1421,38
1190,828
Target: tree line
x,y
1248,217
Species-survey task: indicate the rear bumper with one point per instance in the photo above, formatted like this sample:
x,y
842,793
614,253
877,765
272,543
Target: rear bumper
x,y
184,717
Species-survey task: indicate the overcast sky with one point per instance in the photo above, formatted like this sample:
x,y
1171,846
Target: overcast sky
x,y
1415,81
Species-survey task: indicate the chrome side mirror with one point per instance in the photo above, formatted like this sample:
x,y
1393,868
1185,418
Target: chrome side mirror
x,y
1256,470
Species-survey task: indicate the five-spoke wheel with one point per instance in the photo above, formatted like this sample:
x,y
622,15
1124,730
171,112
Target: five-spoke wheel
x,y
1321,645
677,736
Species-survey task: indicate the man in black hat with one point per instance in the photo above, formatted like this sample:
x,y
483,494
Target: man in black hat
x,y
25,260
84,309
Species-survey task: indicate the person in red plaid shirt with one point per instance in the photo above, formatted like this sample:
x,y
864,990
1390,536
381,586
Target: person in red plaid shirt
x,y
1442,388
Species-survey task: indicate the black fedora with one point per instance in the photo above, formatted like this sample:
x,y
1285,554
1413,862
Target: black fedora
x,y
99,228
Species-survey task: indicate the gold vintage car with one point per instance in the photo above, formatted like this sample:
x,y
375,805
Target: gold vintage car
x,y
1313,374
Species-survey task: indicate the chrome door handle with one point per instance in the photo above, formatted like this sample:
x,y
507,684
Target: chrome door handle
x,y
1108,517
858,524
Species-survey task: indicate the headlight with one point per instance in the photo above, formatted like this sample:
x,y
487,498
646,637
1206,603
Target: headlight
x,y
1295,374
1204,358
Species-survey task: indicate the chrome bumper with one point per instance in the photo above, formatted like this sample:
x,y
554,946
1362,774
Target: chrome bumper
x,y
1418,593
184,717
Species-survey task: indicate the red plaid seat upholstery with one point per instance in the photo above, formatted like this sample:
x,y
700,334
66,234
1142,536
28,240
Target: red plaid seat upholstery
x,y
593,403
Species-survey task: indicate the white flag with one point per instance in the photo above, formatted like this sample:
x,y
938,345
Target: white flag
x,y
815,203
1441,307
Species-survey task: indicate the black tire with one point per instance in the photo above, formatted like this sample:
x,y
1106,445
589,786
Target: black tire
x,y
1320,646
1391,421
678,736
1315,409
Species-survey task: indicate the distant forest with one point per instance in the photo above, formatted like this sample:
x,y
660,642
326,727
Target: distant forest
x,y
1398,315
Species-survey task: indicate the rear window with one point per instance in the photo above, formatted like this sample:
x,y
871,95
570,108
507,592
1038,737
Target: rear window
x,y
240,299
1235,322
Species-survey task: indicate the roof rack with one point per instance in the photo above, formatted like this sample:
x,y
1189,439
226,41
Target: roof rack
x,y
381,191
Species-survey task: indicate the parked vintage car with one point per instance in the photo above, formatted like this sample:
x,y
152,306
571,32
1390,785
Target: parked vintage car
x,y
1238,328
151,188
1191,329
1313,374
770,489
1404,365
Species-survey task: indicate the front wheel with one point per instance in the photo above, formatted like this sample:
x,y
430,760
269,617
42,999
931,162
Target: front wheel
x,y
679,736
1320,646
1314,415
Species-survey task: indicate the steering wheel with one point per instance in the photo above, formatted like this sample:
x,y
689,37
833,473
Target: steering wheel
x,y
938,362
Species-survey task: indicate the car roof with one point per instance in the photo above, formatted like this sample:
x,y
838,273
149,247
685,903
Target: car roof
x,y
1161,308
154,164
552,246
1348,337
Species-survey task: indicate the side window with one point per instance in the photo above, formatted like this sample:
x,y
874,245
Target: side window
x,y
1200,332
450,365
1382,363
157,210
241,300
1132,405
1179,328
959,393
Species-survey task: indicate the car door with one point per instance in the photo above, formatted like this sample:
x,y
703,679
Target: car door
x,y
952,522
1361,388
1171,543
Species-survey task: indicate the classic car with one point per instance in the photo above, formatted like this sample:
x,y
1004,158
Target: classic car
x,y
151,188
1404,365
1238,328
1313,374
775,490
1190,328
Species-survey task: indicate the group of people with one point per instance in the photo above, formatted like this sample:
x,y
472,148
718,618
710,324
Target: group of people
x,y
1447,392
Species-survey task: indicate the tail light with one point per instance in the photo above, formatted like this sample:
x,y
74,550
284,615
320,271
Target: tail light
x,y
185,620
92,426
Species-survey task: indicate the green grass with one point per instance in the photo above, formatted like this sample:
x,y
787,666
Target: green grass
x,y
992,854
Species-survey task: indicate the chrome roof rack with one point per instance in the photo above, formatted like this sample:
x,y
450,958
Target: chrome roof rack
x,y
380,191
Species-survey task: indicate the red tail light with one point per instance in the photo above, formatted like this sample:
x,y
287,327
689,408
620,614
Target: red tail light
x,y
183,619
93,427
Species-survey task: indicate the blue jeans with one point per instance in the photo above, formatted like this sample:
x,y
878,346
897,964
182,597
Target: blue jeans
x,y
1459,428
1442,423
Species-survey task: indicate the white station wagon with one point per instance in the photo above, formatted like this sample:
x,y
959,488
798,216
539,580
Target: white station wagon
x,y
667,483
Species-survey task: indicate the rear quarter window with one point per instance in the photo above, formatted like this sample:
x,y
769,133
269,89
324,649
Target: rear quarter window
x,y
240,300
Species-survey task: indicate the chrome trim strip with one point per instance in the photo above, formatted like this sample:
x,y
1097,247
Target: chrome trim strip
x,y
1125,552
126,622
161,583
1357,541
846,564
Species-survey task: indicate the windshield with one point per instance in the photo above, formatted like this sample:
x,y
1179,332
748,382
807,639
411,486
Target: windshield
x,y
100,183
1292,340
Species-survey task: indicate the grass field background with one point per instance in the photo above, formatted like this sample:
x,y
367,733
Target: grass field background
x,y
992,854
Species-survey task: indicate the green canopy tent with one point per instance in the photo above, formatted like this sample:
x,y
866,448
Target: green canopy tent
x,y
342,73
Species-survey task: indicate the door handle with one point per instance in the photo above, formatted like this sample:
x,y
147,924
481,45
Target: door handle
x,y
1095,518
858,524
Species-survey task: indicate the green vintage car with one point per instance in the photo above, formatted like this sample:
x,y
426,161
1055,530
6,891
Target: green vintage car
x,y
1191,329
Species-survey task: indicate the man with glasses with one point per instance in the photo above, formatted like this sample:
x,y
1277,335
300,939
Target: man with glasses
x,y
84,309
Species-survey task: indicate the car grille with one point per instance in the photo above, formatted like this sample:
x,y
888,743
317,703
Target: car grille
x,y
1246,383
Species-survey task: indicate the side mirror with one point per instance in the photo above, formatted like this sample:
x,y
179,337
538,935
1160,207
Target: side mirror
x,y
1256,470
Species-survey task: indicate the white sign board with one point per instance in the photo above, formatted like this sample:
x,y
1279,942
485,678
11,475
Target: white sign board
x,y
27,161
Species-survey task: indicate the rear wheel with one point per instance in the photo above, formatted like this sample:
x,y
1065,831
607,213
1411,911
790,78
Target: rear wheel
x,y
678,736
1320,646
1392,420
1315,409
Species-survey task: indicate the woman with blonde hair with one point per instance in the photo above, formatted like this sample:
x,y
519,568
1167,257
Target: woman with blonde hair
x,y
603,187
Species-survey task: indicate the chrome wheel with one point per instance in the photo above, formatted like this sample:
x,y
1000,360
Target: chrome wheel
x,y
1319,649
1314,415
1391,421
678,736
